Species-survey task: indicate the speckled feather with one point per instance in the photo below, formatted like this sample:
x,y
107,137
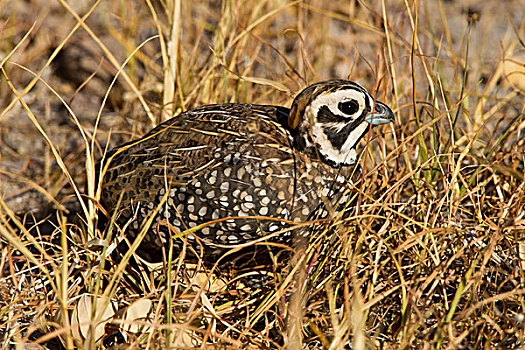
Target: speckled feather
x,y
219,165
217,161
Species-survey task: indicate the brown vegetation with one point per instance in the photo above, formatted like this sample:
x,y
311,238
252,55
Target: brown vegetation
x,y
431,253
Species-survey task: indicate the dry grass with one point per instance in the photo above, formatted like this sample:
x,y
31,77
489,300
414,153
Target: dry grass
x,y
430,253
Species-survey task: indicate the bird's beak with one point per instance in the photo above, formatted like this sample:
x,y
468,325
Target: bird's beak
x,y
383,115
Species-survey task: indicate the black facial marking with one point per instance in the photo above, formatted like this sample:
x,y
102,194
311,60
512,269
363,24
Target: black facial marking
x,y
367,105
326,116
338,138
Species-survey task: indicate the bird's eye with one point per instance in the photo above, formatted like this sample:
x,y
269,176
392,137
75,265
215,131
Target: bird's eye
x,y
348,107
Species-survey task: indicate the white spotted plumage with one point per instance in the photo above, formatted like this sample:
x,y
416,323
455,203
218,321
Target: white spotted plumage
x,y
223,164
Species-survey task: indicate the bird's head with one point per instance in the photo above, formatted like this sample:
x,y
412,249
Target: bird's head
x,y
331,117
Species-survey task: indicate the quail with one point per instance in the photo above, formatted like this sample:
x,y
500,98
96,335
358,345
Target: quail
x,y
226,174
